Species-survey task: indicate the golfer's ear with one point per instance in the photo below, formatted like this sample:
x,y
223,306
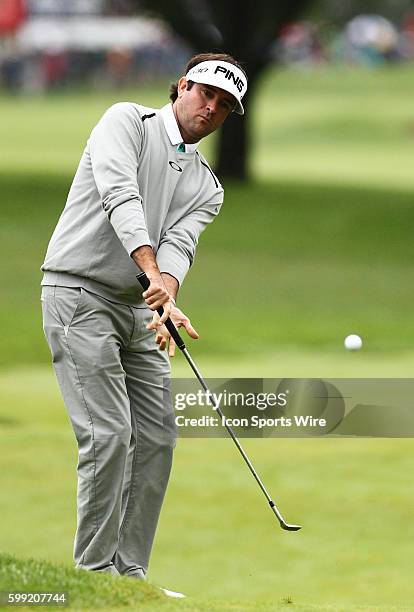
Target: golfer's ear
x,y
182,84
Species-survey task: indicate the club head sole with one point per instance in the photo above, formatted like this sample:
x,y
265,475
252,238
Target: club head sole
x,y
288,527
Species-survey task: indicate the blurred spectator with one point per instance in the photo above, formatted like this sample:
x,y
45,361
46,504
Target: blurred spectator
x,y
119,66
12,14
84,67
407,37
300,43
120,7
11,65
371,40
33,79
11,73
54,67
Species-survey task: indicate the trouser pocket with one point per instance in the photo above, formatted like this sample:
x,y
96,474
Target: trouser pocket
x,y
60,304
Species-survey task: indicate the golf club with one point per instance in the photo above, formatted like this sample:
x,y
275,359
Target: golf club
x,y
145,283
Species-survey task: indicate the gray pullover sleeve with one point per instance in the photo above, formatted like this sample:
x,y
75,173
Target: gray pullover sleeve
x,y
114,148
177,246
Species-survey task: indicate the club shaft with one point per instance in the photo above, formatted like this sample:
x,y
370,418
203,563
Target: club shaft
x,y
145,283
227,426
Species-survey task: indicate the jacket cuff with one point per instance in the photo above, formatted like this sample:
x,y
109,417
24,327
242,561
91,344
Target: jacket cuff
x,y
174,266
139,239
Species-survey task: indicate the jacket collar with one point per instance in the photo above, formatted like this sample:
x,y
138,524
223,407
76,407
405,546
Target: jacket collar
x,y
172,129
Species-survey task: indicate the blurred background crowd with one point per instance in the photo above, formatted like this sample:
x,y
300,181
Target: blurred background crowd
x,y
50,44
54,44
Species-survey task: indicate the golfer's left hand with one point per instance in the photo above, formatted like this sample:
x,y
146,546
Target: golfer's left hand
x,y
163,337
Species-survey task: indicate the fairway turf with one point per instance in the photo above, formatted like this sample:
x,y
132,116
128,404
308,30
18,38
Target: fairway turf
x,y
317,246
217,538
336,126
305,267
88,591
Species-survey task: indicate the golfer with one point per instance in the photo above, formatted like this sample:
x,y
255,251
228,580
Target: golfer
x,y
140,198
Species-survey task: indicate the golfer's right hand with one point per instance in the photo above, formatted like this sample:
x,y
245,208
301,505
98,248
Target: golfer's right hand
x,y
156,296
163,338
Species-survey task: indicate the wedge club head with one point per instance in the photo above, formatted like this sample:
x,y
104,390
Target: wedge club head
x,y
287,527
284,525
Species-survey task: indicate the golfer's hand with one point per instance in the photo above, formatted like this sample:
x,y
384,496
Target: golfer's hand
x,y
156,296
163,337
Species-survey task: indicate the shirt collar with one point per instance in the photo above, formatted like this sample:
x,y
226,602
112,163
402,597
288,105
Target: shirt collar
x,y
173,130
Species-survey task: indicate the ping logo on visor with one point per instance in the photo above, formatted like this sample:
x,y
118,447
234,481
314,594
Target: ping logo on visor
x,y
230,75
223,75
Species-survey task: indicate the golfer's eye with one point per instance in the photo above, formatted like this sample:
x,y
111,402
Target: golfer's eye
x,y
226,105
207,93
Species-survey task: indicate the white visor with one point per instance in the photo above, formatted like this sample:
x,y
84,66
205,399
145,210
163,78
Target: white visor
x,y
223,75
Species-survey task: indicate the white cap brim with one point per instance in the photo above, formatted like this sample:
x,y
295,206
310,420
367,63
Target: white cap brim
x,y
224,75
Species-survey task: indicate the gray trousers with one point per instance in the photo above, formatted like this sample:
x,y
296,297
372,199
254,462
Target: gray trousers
x,y
115,382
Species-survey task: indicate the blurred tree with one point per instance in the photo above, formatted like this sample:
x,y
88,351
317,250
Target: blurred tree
x,y
247,30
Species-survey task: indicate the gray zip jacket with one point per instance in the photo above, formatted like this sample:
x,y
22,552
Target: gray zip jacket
x,y
132,188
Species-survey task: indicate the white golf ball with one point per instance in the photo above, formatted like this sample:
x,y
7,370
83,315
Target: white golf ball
x,y
353,342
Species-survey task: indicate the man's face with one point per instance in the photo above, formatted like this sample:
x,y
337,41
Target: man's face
x,y
201,110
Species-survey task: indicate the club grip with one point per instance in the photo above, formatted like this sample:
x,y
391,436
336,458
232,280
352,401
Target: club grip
x,y
145,283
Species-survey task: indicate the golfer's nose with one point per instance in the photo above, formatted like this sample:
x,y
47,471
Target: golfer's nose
x,y
212,106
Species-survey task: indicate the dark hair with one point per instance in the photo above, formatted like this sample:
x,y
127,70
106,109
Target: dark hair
x,y
203,57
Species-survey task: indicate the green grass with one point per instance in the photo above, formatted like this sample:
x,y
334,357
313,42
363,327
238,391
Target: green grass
x,y
217,540
306,266
46,134
82,589
336,126
87,591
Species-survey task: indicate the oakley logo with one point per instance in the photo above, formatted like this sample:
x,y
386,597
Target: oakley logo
x,y
230,75
175,166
